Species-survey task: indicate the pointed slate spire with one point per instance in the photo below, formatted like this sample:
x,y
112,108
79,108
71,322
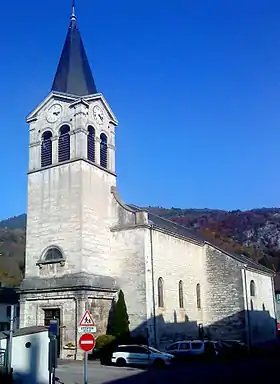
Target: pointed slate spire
x,y
73,75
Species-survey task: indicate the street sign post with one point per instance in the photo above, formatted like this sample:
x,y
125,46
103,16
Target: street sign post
x,y
53,328
53,335
12,319
87,342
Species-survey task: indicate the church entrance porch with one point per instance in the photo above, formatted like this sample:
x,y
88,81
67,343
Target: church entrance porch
x,y
38,307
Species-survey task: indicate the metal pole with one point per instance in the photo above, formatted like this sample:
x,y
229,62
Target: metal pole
x,y
11,339
54,341
86,356
54,345
50,359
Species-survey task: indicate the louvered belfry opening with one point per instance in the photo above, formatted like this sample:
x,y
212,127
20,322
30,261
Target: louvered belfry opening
x,y
103,150
91,144
46,149
64,144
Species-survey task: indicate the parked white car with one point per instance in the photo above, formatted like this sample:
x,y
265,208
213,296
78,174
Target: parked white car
x,y
140,355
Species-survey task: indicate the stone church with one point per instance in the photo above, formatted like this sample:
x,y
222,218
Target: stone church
x,y
84,244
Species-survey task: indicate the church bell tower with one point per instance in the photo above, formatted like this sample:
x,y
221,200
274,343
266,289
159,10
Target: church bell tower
x,y
71,167
70,176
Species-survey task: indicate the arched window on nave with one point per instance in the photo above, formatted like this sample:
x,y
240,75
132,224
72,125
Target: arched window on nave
x,y
198,296
181,294
160,293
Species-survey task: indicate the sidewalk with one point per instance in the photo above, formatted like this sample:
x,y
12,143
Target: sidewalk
x,y
77,362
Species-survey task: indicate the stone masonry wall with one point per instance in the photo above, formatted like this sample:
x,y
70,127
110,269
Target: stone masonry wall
x,y
96,220
225,316
175,259
261,311
129,269
72,307
127,261
54,206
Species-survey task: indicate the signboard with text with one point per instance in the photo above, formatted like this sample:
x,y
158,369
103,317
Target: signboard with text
x,y
87,324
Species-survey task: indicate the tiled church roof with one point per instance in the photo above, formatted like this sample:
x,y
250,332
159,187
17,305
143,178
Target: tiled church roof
x,y
178,229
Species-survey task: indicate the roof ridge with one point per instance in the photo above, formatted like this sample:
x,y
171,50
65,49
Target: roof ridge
x,y
171,221
242,258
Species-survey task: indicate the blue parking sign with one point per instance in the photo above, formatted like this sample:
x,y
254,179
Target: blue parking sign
x,y
54,328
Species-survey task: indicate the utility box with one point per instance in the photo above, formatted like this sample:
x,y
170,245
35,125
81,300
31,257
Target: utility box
x,y
30,354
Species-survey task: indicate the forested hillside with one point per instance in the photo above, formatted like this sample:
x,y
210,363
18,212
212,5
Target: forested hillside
x,y
254,233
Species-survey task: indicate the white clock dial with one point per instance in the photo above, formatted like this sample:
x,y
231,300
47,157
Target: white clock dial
x,y
98,114
54,113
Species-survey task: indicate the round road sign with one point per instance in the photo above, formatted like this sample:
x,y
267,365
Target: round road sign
x,y
87,342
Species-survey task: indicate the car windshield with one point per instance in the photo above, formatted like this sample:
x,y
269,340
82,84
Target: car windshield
x,y
154,350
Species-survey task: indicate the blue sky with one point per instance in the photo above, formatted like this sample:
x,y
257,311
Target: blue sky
x,y
194,84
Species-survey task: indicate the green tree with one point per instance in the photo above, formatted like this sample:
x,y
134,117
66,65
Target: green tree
x,y
120,321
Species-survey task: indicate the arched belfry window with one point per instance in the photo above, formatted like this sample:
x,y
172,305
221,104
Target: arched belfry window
x,y
53,254
181,294
46,149
64,144
103,150
160,293
252,288
198,296
91,144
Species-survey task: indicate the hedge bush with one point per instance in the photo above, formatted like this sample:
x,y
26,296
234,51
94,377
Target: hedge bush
x,y
104,340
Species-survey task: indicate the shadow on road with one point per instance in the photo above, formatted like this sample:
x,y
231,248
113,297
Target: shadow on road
x,y
231,372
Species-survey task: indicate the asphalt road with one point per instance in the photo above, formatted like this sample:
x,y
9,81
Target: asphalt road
x,y
72,373
234,372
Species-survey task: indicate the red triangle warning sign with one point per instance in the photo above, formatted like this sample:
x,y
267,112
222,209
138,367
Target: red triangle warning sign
x,y
87,320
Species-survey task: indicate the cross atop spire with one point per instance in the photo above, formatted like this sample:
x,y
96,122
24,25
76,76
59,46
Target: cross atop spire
x,y
73,75
73,16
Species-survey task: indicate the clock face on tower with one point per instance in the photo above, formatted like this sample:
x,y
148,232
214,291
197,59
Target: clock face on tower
x,y
54,112
98,114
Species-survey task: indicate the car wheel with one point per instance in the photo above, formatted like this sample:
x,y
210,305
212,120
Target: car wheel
x,y
121,362
159,363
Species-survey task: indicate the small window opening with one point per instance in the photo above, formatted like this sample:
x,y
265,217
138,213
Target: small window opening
x,y
252,288
53,254
160,293
198,296
181,294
